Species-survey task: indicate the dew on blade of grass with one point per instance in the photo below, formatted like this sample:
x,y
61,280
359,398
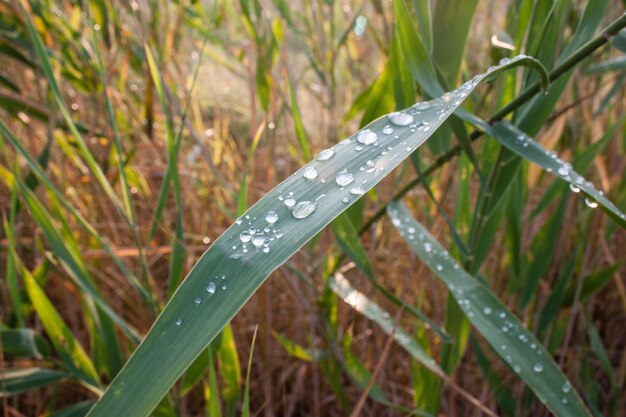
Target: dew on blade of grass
x,y
197,300
345,200
211,288
245,237
366,137
574,188
387,130
400,118
310,173
487,311
357,191
538,367
290,201
179,322
428,247
590,203
439,268
566,387
325,155
303,209
344,178
271,217
258,240
563,171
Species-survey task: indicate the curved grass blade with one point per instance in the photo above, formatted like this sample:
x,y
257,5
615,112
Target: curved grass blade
x,y
524,146
261,240
501,329
372,311
14,381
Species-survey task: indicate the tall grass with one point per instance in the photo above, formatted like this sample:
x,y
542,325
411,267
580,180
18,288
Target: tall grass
x,y
455,278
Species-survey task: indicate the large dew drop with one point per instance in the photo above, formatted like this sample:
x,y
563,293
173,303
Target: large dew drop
x,y
245,237
310,173
366,137
271,217
211,288
400,118
258,240
538,367
303,209
325,155
344,178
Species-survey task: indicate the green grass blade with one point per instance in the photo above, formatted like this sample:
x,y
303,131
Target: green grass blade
x,y
451,22
75,410
14,381
615,64
523,145
62,338
361,303
23,343
501,329
245,412
238,262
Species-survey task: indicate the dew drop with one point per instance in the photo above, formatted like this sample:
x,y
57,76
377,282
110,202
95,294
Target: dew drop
x,y
258,240
357,191
325,155
197,300
487,311
366,137
400,118
290,201
517,369
566,387
179,322
563,171
310,173
266,249
271,217
387,130
439,268
591,203
245,237
303,209
428,247
345,200
574,188
344,178
211,288
538,367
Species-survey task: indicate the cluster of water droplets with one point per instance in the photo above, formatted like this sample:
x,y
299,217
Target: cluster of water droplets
x,y
562,169
212,287
440,260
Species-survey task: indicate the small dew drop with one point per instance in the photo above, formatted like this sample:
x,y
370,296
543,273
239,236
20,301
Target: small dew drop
x,y
563,171
211,288
303,209
197,300
271,217
245,237
400,118
439,268
566,387
574,188
325,155
310,173
487,311
517,369
258,240
344,178
345,200
538,367
591,203
387,130
366,137
179,322
428,247
290,201
266,249
357,191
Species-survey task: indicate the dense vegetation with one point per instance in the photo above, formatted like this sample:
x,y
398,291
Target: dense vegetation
x,y
474,259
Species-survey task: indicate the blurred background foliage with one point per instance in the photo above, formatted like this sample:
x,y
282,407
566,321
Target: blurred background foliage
x,y
151,124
